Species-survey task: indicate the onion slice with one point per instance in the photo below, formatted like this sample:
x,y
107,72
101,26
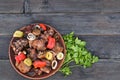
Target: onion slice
x,y
54,64
60,56
31,36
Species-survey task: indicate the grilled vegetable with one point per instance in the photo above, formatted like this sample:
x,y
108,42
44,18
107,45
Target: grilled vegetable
x,y
51,42
60,56
49,56
39,64
31,36
18,34
28,61
20,57
54,64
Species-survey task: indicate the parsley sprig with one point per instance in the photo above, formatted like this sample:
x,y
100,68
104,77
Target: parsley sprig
x,y
76,52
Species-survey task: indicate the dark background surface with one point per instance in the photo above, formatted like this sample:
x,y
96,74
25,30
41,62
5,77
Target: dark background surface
x,y
95,21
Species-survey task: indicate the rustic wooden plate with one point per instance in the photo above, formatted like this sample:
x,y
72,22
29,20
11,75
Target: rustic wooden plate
x,y
12,59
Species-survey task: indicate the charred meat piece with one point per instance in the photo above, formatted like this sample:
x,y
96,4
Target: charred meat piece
x,y
19,45
46,69
51,32
40,55
28,29
58,48
38,71
33,54
23,67
45,37
56,36
39,44
48,63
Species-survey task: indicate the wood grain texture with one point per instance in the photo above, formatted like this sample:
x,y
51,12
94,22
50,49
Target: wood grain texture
x,y
106,47
39,6
11,6
103,70
111,6
81,24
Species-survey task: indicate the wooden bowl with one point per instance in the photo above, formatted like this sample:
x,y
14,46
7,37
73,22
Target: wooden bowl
x,y
52,72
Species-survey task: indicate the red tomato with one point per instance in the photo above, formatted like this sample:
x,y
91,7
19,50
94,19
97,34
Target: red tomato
x,y
51,42
42,26
20,57
39,64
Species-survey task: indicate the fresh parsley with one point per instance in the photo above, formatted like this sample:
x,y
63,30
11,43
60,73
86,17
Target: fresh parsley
x,y
76,52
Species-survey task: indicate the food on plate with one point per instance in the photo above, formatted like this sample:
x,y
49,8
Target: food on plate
x,y
37,49
23,67
18,34
60,56
54,64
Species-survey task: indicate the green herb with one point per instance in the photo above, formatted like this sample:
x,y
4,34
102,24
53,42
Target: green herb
x,y
76,52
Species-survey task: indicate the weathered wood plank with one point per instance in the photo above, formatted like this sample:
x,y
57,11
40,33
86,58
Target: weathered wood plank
x,y
104,69
11,6
65,6
111,5
82,24
4,44
102,46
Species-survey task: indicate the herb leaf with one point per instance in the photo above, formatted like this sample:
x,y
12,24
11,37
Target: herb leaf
x,y
76,52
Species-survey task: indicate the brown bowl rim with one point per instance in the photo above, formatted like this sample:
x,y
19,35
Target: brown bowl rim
x,y
43,77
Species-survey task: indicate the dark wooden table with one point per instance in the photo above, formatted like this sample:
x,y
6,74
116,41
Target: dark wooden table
x,y
95,21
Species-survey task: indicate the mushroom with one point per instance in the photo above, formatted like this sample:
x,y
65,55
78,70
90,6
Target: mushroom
x,y
36,32
39,44
23,67
31,36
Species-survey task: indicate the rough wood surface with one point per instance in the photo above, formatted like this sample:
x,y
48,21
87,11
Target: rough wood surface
x,y
111,5
11,6
102,46
103,70
81,24
39,6
95,21
65,5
